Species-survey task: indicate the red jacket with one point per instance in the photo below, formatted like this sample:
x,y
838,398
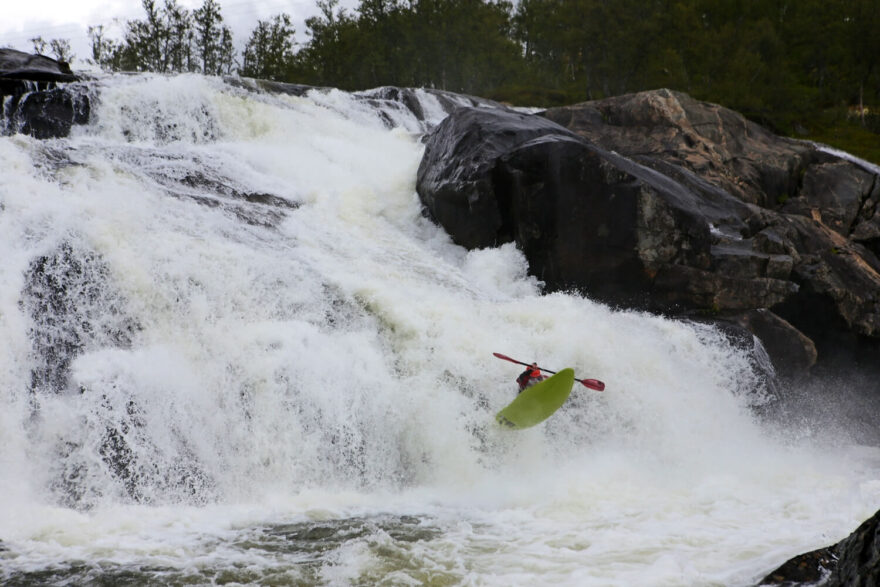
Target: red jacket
x,y
529,377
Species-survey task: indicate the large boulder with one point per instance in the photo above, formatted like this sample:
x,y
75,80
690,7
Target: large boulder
x,y
18,65
37,96
818,221
587,218
660,202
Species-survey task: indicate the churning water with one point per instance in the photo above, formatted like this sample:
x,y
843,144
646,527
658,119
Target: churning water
x,y
234,351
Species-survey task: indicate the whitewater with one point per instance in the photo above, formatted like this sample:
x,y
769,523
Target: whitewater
x,y
235,351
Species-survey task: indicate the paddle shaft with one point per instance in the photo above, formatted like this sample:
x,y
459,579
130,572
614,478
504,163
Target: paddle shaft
x,y
591,383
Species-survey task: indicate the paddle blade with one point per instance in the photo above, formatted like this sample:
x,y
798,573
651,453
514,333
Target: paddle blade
x,y
593,384
506,358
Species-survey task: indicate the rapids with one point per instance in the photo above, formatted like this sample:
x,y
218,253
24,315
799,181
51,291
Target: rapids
x,y
235,351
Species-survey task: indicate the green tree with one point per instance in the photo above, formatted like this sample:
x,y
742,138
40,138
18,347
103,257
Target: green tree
x,y
327,58
59,48
105,52
226,60
141,49
459,45
269,51
179,39
162,42
213,40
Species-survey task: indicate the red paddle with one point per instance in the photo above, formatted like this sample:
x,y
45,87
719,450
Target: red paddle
x,y
591,383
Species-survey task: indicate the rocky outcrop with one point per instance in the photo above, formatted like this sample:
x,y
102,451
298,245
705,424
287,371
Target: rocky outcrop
x,y
37,96
852,562
717,145
660,202
17,65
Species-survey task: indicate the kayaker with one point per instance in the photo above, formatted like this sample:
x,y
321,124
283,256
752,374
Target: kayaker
x,y
529,377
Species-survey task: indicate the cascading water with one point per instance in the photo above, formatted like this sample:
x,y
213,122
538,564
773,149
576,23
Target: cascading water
x,y
234,351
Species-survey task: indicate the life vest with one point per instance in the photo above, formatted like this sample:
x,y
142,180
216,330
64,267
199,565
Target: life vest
x,y
529,377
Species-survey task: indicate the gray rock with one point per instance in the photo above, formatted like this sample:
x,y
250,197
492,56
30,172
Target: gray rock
x,y
19,65
660,202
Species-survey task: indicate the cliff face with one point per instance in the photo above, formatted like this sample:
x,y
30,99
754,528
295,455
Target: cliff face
x,y
657,201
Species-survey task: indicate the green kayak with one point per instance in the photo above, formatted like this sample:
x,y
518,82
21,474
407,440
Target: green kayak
x,y
537,403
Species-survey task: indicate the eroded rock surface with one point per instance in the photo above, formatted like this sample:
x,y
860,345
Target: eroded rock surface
x,y
657,201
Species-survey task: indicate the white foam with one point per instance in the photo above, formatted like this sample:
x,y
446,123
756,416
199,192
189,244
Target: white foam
x,y
338,360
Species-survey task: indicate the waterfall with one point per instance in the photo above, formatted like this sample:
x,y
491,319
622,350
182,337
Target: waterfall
x,y
232,343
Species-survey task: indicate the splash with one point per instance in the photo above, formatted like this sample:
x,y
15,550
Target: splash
x,y
224,308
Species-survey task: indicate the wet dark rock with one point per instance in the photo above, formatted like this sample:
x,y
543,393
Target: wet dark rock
x,y
657,201
274,87
777,348
456,178
793,352
867,225
48,113
812,568
143,478
204,182
817,225
142,471
858,562
852,562
258,209
18,65
31,100
412,100
74,307
592,220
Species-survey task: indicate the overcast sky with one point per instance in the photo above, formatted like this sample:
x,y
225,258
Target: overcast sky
x,y
22,20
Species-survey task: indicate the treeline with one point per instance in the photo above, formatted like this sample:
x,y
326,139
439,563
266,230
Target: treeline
x,y
778,61
461,45
170,39
781,62
466,46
